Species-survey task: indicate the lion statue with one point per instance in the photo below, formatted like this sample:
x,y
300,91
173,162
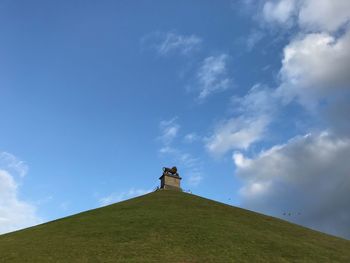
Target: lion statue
x,y
171,171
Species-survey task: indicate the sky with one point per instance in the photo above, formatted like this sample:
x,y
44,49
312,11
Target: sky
x,y
249,99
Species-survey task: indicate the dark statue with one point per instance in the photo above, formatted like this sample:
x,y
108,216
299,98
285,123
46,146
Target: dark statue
x,y
170,171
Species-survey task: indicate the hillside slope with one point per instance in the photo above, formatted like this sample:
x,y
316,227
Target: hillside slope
x,y
170,226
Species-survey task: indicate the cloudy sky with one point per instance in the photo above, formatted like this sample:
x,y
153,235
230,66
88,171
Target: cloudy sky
x,y
250,99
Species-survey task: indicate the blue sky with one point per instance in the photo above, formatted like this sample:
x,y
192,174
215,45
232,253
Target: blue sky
x,y
249,99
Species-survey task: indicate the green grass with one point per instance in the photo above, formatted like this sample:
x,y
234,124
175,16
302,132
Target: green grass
x,y
170,226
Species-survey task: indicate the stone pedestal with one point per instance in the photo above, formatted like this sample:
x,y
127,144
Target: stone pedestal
x,y
170,182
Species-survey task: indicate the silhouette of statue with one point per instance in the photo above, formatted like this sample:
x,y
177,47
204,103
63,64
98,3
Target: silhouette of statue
x,y
170,171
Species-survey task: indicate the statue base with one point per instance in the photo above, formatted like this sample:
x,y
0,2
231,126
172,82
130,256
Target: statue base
x,y
170,182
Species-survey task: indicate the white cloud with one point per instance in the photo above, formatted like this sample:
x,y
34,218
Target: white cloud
x,y
117,197
172,42
191,137
237,133
169,130
324,15
11,163
259,100
280,11
308,176
310,15
314,67
254,112
14,213
167,150
212,76
336,115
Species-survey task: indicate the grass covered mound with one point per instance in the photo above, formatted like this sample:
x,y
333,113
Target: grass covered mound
x,y
170,226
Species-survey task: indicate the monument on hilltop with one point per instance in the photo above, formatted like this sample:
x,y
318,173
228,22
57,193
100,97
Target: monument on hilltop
x,y
170,179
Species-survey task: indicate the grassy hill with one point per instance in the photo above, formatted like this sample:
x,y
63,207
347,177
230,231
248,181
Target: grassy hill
x,y
170,226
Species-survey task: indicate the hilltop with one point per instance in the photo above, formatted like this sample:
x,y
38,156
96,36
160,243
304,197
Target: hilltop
x,y
171,226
